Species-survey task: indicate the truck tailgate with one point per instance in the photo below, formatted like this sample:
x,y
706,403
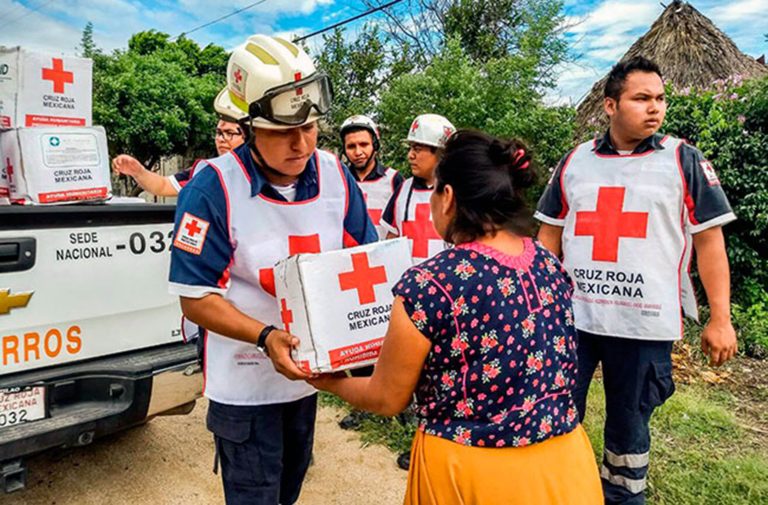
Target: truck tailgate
x,y
85,282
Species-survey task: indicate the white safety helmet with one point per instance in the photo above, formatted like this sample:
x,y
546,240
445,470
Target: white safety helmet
x,y
274,83
360,122
430,130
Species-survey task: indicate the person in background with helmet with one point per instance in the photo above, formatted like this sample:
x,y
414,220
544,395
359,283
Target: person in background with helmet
x,y
229,135
242,212
407,213
360,141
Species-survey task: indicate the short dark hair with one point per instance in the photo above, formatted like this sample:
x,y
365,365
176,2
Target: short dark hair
x,y
614,85
488,177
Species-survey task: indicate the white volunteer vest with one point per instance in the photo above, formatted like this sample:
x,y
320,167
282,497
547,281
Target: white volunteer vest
x,y
625,242
377,194
264,231
413,219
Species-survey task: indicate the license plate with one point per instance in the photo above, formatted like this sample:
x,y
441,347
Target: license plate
x,y
21,405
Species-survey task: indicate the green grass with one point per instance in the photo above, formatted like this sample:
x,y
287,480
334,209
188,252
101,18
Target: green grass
x,y
700,453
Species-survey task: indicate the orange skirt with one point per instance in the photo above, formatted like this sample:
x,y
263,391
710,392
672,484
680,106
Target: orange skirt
x,y
559,471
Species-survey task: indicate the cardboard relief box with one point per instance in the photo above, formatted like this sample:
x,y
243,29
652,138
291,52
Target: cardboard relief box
x,y
55,165
338,303
43,90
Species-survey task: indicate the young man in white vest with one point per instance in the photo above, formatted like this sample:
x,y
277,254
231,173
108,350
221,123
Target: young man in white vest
x,y
360,142
407,213
626,211
240,214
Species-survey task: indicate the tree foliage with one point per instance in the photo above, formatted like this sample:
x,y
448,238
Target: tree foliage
x,y
729,123
155,99
87,47
498,96
359,69
486,29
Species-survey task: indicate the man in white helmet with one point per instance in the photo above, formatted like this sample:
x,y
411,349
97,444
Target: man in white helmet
x,y
242,212
407,213
360,142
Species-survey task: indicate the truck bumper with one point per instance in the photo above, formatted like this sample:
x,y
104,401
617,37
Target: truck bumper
x,y
95,398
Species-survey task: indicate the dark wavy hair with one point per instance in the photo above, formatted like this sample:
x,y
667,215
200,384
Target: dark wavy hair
x,y
489,177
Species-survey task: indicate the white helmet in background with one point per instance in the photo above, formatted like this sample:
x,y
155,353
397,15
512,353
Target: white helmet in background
x,y
360,122
274,83
430,130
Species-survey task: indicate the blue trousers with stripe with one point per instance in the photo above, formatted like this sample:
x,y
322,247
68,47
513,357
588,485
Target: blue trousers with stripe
x,y
637,378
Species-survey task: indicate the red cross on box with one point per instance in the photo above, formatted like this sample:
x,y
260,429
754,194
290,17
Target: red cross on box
x,y
296,78
609,223
238,76
58,75
363,278
286,315
193,228
296,244
421,231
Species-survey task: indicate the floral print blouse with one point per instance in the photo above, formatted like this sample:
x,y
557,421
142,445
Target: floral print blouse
x,y
503,357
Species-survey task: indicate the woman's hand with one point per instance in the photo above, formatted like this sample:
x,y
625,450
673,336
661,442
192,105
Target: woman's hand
x,y
327,381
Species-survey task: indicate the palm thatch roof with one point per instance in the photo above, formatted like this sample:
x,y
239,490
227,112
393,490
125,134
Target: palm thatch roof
x,y
691,52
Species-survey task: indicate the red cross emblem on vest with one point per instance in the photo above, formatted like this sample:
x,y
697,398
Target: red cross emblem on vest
x,y
286,315
363,278
608,223
58,75
374,214
296,244
193,227
421,231
297,78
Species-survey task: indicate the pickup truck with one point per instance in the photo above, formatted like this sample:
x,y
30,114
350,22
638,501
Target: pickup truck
x,y
90,340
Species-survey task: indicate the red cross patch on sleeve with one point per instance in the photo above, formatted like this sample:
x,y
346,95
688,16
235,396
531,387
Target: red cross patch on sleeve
x,y
709,173
191,234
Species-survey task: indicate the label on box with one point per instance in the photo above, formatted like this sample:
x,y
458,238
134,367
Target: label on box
x,y
49,165
338,303
70,150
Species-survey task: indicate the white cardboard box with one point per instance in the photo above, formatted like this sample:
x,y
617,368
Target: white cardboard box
x,y
43,90
338,303
51,165
5,186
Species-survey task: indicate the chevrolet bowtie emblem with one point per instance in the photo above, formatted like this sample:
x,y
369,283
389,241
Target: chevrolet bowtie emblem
x,y
9,301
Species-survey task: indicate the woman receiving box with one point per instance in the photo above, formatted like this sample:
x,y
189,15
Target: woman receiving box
x,y
483,334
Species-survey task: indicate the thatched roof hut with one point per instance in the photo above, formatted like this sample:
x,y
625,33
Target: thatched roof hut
x,y
691,51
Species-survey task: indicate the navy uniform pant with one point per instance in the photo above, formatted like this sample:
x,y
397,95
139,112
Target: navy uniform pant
x,y
264,450
637,378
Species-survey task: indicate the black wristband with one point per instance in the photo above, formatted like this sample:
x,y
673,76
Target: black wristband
x,y
261,342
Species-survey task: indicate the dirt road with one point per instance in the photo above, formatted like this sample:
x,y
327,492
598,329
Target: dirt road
x,y
168,461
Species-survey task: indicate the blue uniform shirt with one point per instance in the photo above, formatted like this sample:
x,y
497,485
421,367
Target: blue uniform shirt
x,y
194,275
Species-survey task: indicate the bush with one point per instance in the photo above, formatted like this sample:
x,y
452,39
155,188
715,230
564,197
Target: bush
x,y
752,327
730,125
